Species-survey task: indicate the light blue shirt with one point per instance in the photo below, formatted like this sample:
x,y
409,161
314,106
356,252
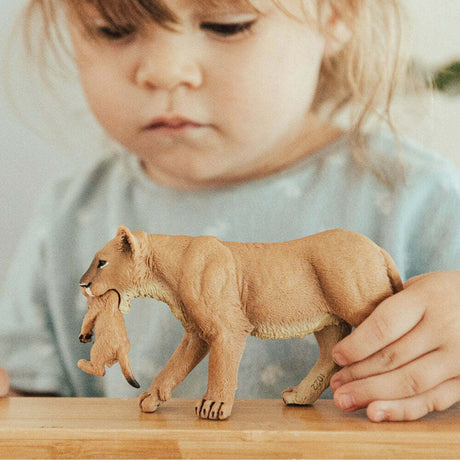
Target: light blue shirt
x,y
417,221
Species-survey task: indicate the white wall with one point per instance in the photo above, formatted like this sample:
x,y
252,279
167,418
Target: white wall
x,y
29,161
436,41
29,157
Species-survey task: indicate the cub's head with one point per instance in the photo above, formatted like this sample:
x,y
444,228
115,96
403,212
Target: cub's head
x,y
108,302
113,268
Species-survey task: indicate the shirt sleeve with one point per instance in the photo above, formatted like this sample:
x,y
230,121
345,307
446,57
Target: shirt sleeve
x,y
29,350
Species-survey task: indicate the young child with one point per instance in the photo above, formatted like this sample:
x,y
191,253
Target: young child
x,y
225,111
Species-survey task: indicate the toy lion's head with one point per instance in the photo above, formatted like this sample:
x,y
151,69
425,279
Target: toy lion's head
x,y
113,268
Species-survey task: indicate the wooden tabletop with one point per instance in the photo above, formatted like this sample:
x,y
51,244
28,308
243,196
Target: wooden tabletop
x,y
115,428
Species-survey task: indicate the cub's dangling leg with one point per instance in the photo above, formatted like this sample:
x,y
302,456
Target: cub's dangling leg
x,y
317,380
91,368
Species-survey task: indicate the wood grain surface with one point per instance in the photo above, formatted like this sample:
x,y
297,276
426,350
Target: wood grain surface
x,y
115,428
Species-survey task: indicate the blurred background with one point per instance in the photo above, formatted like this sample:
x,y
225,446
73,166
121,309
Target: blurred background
x,y
33,154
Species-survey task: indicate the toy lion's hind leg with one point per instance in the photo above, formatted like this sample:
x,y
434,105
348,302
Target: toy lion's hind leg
x,y
317,380
90,368
99,357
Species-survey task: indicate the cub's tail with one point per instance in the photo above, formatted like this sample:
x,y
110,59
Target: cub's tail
x,y
126,370
393,274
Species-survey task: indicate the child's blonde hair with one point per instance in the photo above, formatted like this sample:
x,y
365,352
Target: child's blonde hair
x,y
364,74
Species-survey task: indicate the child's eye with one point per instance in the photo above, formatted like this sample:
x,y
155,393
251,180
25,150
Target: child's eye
x,y
227,29
114,34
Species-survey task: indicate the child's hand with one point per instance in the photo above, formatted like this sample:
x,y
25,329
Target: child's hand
x,y
4,382
403,360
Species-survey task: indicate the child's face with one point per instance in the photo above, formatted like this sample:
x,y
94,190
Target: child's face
x,y
225,97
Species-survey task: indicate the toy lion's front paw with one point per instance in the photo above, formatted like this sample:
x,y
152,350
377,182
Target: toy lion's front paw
x,y
289,396
85,338
149,402
213,410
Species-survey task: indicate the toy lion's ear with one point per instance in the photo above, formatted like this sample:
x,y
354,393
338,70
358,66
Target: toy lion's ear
x,y
127,240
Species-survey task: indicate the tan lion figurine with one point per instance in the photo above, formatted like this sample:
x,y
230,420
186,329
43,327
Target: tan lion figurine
x,y
111,344
222,292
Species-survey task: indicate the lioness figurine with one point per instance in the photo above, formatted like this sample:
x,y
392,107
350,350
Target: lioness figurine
x,y
222,292
111,344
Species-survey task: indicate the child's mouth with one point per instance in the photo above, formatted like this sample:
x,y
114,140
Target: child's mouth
x,y
172,124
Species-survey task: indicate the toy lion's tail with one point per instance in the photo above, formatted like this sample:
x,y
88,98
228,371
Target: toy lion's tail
x,y
393,274
126,370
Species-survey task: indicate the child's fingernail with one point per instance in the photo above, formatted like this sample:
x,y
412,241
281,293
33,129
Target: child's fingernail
x,y
338,359
335,383
346,402
380,416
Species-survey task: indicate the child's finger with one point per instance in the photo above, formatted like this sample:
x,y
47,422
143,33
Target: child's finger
x,y
392,319
437,399
415,279
416,343
415,378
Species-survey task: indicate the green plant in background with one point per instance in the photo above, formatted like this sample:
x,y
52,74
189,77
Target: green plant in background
x,y
447,78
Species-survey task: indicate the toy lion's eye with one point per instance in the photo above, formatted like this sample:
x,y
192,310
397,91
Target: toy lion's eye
x,y
102,264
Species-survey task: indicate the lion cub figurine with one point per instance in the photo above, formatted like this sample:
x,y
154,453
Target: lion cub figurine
x,y
111,344
222,292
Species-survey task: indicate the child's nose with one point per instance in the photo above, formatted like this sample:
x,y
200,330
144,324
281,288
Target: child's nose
x,y
168,64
